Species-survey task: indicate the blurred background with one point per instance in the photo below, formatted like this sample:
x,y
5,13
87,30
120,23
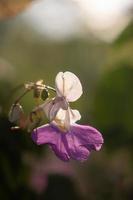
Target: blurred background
x,y
94,40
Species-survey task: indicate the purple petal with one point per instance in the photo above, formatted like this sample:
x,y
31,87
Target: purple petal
x,y
60,151
77,143
51,135
75,150
88,136
42,135
81,140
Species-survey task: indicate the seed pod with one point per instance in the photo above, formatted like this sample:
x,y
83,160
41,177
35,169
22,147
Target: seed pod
x,y
15,112
44,94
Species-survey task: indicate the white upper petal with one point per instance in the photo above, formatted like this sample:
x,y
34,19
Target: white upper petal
x,y
68,85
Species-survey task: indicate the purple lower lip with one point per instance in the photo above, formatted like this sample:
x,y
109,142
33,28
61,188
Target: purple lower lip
x,y
77,143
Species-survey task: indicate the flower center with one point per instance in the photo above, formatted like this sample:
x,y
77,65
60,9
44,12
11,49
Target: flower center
x,y
61,125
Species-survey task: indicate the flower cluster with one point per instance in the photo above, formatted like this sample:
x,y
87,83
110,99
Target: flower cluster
x,y
67,139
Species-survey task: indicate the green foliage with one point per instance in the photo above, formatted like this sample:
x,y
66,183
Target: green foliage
x,y
125,36
113,105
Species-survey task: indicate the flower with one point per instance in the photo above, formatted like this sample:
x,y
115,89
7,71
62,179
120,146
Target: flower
x,y
68,89
67,139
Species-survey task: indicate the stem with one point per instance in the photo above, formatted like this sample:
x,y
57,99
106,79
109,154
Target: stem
x,y
28,90
20,97
50,88
10,96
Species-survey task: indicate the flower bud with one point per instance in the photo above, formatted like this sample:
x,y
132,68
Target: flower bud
x,y
15,112
44,94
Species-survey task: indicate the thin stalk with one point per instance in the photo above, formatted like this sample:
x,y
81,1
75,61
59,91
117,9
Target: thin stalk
x,y
50,88
22,95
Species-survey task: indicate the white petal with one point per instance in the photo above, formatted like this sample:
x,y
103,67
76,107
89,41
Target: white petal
x,y
65,118
74,115
52,106
55,108
68,85
62,102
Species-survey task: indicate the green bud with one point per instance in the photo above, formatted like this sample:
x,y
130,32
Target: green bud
x,y
44,94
